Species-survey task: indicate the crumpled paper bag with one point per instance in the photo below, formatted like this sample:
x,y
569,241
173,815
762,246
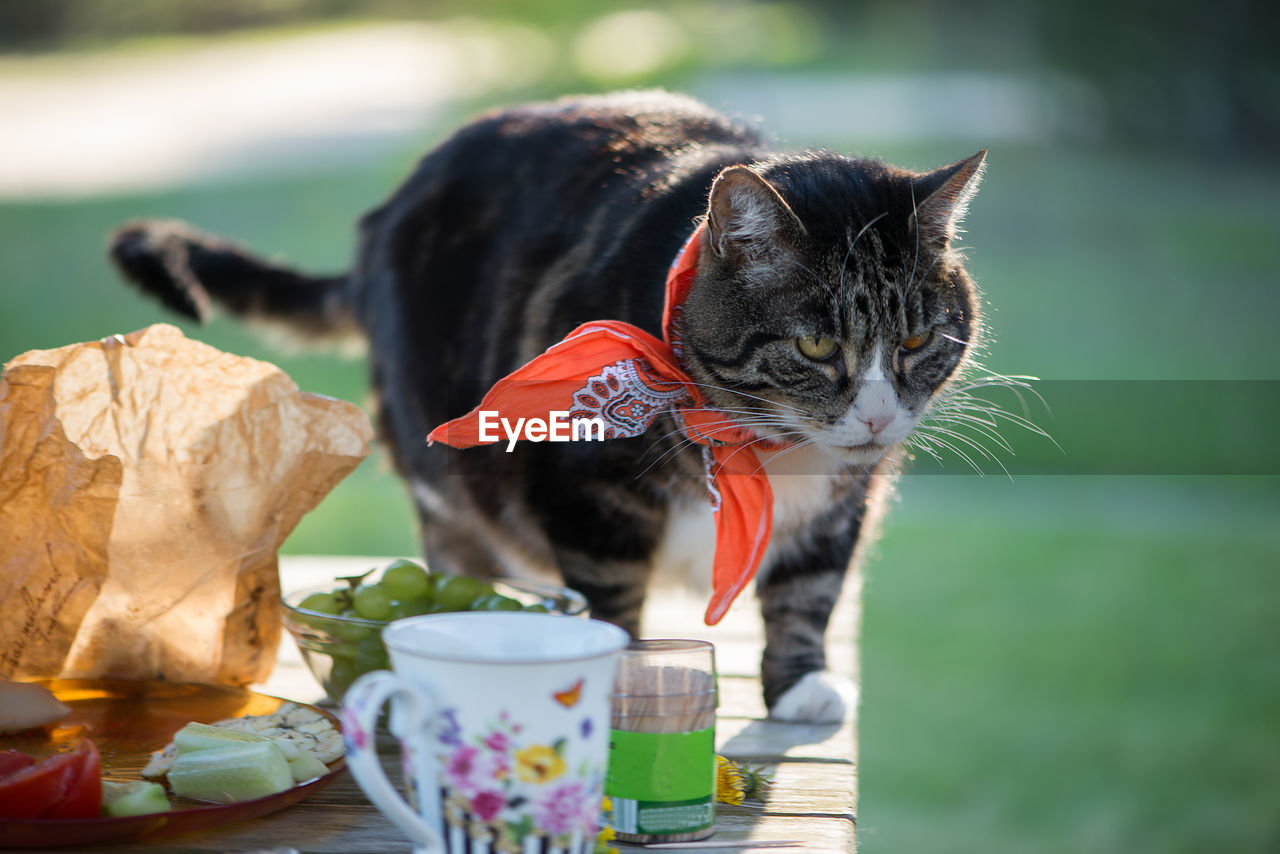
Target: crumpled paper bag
x,y
146,484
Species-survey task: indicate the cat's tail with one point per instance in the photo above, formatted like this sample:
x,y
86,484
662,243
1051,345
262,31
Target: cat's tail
x,y
190,271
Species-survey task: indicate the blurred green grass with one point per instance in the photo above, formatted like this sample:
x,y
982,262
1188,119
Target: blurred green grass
x,y
1073,664
1050,663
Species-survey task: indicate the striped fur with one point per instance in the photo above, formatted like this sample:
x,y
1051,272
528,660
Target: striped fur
x,y
530,221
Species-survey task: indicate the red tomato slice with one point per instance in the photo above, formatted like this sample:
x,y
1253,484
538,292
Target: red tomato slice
x,y
83,797
12,761
31,791
39,790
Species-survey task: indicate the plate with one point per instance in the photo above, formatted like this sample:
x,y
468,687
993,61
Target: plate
x,y
127,721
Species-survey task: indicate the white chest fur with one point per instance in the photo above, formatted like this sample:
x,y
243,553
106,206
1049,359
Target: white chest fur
x,y
801,479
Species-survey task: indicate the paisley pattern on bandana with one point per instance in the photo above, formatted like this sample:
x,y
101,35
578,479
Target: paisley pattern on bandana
x,y
627,396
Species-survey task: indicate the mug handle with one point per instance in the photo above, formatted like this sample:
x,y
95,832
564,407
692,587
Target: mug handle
x,y
360,709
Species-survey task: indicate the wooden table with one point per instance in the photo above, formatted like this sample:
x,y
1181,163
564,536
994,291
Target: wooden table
x,y
815,767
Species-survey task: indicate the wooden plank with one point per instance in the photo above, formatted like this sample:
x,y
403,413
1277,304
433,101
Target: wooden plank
x,y
674,610
328,831
308,826
815,835
743,659
739,638
773,740
741,697
803,788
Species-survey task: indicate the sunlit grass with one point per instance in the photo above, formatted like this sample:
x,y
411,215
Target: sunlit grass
x,y
1042,672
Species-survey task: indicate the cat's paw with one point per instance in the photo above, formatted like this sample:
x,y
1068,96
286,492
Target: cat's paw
x,y
818,698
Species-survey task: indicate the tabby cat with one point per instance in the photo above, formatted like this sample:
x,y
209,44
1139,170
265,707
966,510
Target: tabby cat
x,y
828,313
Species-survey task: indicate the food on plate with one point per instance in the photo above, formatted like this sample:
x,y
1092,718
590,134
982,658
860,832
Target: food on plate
x,y
65,785
257,758
307,766
25,705
238,759
237,771
13,760
138,797
303,762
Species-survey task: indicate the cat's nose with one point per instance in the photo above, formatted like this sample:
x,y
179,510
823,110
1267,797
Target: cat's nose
x,y
877,421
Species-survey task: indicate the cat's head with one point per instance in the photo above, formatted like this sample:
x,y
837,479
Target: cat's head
x,y
829,305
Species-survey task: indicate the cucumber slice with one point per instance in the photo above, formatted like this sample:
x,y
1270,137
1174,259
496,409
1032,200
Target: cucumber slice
x,y
289,748
137,798
237,772
196,736
307,767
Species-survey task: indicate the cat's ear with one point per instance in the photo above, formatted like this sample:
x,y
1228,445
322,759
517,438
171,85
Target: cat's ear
x,y
942,197
747,216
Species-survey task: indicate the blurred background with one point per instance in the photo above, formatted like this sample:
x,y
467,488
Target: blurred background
x,y
1077,649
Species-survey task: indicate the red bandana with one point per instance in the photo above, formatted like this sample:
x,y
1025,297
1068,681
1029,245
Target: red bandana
x,y
624,376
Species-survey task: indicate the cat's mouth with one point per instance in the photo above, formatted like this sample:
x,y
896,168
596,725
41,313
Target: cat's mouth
x,y
866,453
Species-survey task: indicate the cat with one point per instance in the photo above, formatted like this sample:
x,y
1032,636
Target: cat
x,y
829,311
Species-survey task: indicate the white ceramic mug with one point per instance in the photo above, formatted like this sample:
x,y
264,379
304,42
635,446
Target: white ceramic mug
x,y
503,720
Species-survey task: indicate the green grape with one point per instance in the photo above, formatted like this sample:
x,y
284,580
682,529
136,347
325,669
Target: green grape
x,y
410,608
349,631
371,602
366,662
536,608
371,654
324,603
457,592
405,580
372,643
495,602
341,675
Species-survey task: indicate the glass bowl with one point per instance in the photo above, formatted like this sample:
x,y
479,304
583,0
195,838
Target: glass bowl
x,y
338,649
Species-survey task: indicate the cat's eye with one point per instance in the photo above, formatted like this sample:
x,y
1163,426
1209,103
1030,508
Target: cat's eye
x,y
816,348
915,342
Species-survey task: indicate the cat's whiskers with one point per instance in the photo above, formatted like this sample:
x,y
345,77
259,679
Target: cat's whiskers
x,y
982,412
961,398
1016,384
686,442
977,424
753,422
918,440
743,394
791,446
747,418
958,417
952,448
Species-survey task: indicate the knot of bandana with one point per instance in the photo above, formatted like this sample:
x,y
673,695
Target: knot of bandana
x,y
622,375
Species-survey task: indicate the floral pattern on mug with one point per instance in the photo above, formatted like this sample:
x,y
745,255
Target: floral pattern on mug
x,y
502,788
567,808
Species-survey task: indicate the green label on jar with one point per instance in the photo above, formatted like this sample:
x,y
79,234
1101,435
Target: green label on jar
x,y
659,767
661,818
